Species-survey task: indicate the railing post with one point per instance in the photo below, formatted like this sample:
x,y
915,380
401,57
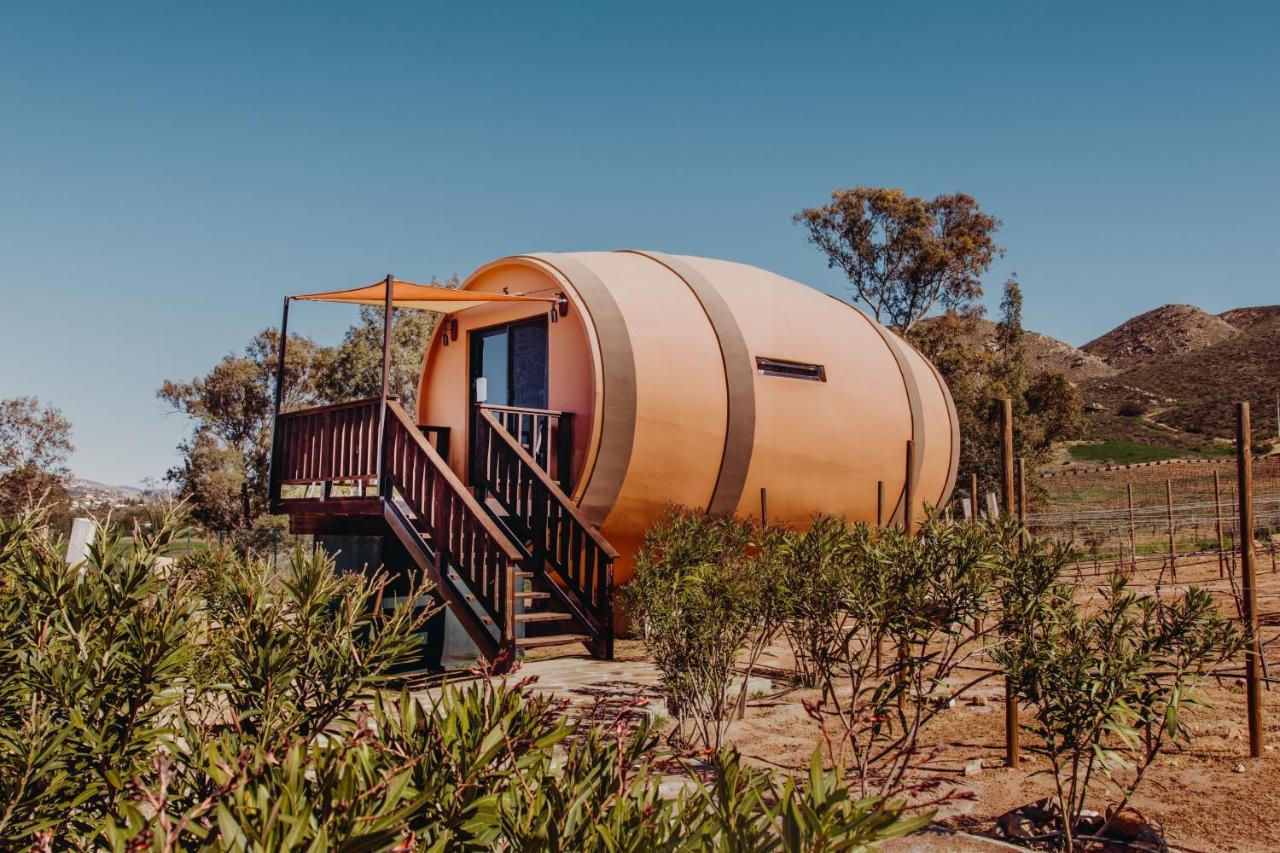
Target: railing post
x,y
389,287
538,523
479,445
273,463
564,451
607,615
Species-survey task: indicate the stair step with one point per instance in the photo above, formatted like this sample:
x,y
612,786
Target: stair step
x,y
529,596
551,640
524,576
542,616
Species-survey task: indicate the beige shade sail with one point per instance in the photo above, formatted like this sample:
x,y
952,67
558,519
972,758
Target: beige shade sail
x,y
423,297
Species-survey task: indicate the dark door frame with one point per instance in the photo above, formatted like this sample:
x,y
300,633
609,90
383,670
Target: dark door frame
x,y
539,320
472,336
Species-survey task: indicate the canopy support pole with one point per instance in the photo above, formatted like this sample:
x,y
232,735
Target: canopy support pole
x,y
383,490
273,488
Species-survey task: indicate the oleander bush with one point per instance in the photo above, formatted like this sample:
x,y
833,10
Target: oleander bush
x,y
1111,685
221,703
703,595
880,621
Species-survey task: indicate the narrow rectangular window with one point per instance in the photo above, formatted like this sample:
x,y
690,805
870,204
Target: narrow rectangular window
x,y
791,369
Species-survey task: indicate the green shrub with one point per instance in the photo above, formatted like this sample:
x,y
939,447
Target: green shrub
x,y
1111,686
919,597
223,704
695,599
709,591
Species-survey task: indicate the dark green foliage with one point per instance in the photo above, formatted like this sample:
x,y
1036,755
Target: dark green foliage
x,y
1046,406
35,441
710,592
905,256
699,592
219,704
353,369
224,464
1110,685
895,618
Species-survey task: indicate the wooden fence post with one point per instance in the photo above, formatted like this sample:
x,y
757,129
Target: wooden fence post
x,y
1133,534
1253,661
973,498
1173,559
879,504
1217,514
1022,489
1011,732
764,507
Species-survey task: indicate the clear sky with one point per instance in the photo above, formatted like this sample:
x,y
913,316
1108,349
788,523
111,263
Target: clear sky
x,y
169,170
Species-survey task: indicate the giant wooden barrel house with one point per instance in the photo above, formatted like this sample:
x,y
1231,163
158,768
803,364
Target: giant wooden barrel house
x,y
567,399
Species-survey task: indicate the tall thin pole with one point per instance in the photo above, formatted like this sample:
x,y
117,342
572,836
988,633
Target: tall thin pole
x,y
1009,508
764,507
1011,732
273,488
1173,556
879,504
389,285
1022,496
973,497
1253,662
1217,513
1133,533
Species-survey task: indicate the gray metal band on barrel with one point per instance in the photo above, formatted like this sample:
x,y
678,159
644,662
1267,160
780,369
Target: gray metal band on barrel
x,y
895,345
618,383
739,379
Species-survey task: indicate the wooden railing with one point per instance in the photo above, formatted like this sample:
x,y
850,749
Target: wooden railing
x,y
447,532
326,444
562,542
464,539
545,434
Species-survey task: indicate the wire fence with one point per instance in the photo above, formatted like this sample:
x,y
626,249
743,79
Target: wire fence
x,y
1153,516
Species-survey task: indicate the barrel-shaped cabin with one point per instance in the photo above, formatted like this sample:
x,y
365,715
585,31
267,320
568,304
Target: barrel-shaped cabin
x,y
566,399
698,382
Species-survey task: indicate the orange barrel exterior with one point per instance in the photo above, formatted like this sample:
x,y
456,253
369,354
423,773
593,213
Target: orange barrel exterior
x,y
657,357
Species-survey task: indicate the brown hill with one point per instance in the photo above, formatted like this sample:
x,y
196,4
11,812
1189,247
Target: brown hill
x,y
1167,331
1243,318
1195,391
1043,352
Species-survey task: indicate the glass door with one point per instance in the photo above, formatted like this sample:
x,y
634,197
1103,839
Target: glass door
x,y
509,364
508,367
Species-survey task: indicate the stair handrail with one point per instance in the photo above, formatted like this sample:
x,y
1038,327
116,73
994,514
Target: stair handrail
x,y
598,602
499,602
572,508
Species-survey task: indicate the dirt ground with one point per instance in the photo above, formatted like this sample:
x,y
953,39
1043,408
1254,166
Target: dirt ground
x,y
1209,797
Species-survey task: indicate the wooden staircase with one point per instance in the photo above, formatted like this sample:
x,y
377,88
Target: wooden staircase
x,y
568,563
514,561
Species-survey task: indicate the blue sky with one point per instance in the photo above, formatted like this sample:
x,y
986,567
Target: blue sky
x,y
168,171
